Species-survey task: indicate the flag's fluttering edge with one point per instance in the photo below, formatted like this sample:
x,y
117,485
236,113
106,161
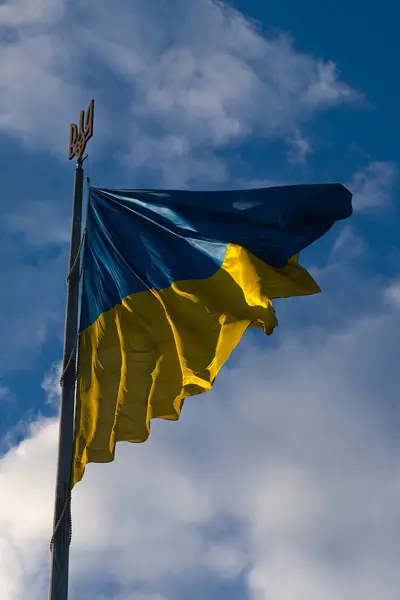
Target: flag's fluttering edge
x,y
172,279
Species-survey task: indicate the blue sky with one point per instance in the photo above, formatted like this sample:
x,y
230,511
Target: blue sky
x,y
283,482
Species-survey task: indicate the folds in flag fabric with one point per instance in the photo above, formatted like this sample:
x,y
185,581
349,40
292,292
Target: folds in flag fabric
x,y
172,279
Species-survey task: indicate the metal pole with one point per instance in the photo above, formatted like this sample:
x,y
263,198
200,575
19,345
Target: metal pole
x,y
58,589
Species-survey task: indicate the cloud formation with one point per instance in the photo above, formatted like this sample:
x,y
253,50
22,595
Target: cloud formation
x,y
293,450
373,185
5,393
51,384
189,92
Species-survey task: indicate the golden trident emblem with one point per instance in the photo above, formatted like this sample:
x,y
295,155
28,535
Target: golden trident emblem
x,y
79,136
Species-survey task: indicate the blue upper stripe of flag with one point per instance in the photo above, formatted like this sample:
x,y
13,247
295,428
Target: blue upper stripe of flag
x,y
142,239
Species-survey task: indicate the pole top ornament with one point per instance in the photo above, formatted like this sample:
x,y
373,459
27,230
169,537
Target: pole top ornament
x,y
79,136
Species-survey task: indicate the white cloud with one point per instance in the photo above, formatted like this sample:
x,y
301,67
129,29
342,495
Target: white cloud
x,y
41,223
135,596
392,294
348,245
298,148
325,89
37,96
51,384
6,395
294,446
373,186
138,596
25,488
186,92
4,391
17,13
216,81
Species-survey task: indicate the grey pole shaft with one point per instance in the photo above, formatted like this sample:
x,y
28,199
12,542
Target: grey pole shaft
x,y
58,589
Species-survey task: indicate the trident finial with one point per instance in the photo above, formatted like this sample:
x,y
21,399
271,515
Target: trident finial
x,y
78,137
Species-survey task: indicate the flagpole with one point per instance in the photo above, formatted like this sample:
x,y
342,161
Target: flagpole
x,y
60,542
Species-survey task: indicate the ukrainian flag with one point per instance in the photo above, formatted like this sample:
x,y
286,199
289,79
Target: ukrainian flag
x,y
172,280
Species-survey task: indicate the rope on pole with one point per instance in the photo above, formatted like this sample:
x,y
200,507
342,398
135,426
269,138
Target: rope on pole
x,y
77,257
66,509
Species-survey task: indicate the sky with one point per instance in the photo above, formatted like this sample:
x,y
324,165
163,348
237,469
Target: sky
x,y
283,482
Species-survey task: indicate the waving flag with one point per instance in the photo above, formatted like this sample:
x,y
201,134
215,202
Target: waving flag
x,y
172,279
